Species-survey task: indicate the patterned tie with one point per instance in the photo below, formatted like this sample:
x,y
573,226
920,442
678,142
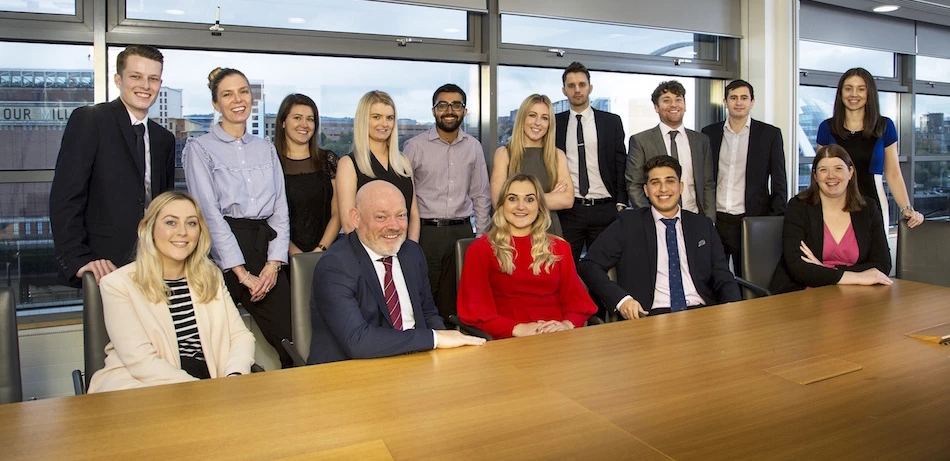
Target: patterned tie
x,y
677,294
139,130
389,291
673,151
584,182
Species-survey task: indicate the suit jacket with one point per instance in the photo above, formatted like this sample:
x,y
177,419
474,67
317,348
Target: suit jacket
x,y
98,193
611,154
804,223
629,244
348,310
766,160
648,144
144,347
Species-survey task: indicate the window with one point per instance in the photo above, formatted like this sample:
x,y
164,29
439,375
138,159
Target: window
x,y
839,58
933,69
355,16
626,95
525,30
45,7
932,178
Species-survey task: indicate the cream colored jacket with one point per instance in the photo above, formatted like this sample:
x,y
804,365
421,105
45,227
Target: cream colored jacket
x,y
144,348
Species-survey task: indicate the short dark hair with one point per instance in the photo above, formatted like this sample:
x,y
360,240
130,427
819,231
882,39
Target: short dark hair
x,y
575,67
448,88
662,161
739,84
669,86
218,74
145,51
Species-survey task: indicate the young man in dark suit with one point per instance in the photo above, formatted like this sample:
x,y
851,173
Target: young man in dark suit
x,y
670,137
668,259
596,157
371,295
748,155
111,163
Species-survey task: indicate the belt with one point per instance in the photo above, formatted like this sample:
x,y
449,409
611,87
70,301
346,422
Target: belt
x,y
445,222
592,201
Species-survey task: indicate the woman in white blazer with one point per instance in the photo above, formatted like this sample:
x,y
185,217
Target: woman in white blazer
x,y
168,314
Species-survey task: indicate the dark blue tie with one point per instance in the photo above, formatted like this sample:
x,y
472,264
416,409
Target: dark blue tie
x,y
677,294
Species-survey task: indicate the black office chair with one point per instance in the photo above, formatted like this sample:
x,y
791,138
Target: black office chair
x,y
11,387
301,281
923,253
761,253
461,246
94,334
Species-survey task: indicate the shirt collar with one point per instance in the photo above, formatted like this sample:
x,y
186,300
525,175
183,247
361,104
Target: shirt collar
x,y
657,216
434,135
589,112
224,136
728,128
665,129
374,255
136,121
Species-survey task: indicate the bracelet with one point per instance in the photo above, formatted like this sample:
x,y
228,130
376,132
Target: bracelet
x,y
320,246
906,208
245,278
275,266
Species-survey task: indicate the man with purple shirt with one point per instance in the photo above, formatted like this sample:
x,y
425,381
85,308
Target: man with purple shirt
x,y
451,179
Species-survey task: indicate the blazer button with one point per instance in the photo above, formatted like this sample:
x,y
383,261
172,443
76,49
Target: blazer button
x,y
142,202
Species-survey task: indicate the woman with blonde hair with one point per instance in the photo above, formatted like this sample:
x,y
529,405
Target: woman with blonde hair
x,y
376,156
517,279
237,179
531,150
168,314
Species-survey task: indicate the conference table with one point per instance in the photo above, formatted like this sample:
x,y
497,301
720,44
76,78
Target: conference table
x,y
827,373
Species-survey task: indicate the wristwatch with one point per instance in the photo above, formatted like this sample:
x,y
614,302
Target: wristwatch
x,y
906,208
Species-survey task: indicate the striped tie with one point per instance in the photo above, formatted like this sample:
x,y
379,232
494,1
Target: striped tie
x,y
392,298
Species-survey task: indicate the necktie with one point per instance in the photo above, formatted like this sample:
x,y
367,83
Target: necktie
x,y
584,183
673,152
389,291
139,130
677,294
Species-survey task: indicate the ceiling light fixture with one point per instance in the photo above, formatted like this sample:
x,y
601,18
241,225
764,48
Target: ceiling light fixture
x,y
885,8
175,12
296,20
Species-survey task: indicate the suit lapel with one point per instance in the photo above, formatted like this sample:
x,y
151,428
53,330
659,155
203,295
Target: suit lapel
x,y
715,144
756,155
125,127
412,280
691,242
368,270
649,230
204,334
158,165
695,157
659,143
560,132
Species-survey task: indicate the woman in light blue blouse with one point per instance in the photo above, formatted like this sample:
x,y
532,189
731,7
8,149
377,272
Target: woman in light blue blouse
x,y
239,184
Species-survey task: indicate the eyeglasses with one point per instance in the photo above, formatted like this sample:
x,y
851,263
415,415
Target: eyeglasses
x,y
443,106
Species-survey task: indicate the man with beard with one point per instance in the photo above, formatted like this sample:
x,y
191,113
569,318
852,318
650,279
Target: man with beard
x,y
448,167
370,295
596,157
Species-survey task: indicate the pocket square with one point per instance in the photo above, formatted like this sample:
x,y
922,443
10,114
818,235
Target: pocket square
x,y
701,244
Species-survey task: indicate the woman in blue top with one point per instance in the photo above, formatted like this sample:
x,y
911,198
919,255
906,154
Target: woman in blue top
x,y
237,179
871,141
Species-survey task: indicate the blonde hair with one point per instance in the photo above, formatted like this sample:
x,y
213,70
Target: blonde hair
x,y
542,258
516,146
204,277
361,153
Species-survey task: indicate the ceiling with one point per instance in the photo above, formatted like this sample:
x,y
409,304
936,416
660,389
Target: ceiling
x,y
930,11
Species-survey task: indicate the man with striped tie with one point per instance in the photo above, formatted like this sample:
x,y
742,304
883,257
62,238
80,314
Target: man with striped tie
x,y
371,295
668,259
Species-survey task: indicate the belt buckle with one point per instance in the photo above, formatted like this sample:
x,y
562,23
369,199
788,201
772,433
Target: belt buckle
x,y
587,202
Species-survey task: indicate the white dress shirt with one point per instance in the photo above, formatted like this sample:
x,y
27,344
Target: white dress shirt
x,y
596,187
148,156
661,291
733,157
402,291
686,161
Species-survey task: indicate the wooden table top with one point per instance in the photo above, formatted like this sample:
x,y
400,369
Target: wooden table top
x,y
686,386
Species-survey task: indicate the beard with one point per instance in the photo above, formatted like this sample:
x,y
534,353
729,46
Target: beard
x,y
446,127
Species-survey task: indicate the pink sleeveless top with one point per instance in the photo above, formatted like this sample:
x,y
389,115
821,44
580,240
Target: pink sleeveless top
x,y
843,253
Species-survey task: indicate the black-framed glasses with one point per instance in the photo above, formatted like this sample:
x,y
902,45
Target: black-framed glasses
x,y
443,106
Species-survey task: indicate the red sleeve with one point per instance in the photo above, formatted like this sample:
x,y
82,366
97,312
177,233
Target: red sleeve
x,y
476,303
576,303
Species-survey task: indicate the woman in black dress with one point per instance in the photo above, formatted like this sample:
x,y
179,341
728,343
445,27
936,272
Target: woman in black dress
x,y
309,175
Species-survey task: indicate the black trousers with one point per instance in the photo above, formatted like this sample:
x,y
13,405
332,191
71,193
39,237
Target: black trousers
x,y
582,224
272,313
729,227
438,244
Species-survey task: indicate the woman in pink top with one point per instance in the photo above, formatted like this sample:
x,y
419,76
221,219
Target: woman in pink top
x,y
832,235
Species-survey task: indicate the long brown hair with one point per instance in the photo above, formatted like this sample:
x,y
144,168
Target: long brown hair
x,y
500,234
318,156
853,199
516,146
873,122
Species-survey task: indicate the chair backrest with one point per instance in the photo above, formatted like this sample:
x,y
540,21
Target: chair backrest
x,y
923,253
761,249
461,246
11,388
301,282
94,334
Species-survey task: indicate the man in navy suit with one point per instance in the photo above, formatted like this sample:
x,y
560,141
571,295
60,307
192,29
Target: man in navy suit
x,y
371,295
111,163
667,258
748,155
600,189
